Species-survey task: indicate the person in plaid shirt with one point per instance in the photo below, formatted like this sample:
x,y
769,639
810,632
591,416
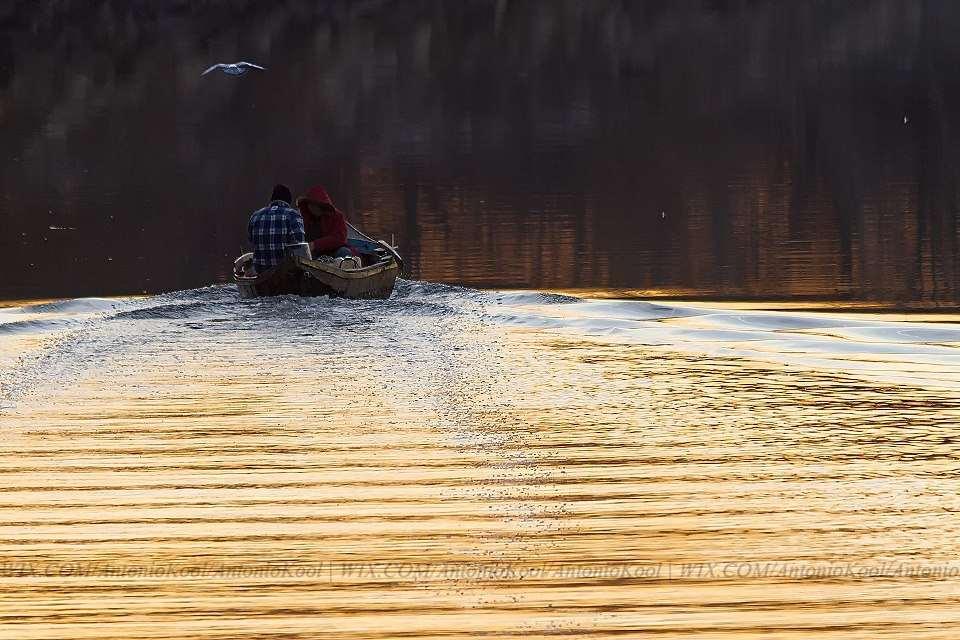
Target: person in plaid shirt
x,y
273,228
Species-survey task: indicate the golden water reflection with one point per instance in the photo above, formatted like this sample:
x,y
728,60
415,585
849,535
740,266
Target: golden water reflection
x,y
502,481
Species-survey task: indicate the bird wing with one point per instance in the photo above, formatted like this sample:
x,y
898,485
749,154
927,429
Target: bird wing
x,y
250,64
216,66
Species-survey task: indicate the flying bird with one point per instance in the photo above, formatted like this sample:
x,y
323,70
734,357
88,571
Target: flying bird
x,y
235,69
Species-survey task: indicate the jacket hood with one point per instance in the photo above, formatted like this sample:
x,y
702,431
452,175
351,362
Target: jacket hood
x,y
316,195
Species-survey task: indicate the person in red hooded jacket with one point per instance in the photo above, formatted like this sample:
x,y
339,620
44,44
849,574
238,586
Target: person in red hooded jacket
x,y
325,225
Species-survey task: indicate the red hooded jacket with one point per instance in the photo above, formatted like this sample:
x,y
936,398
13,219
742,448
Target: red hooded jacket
x,y
325,233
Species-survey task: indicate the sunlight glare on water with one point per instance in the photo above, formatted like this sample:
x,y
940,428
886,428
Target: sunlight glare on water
x,y
460,464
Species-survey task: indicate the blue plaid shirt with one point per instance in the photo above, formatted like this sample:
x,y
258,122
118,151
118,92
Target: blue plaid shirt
x,y
270,230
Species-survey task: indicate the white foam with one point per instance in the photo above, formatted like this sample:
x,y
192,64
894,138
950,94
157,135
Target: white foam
x,y
866,345
76,305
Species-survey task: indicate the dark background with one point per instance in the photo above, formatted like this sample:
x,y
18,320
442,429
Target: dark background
x,y
710,148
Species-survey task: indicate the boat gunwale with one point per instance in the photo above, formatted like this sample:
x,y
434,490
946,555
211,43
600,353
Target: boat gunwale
x,y
353,274
309,265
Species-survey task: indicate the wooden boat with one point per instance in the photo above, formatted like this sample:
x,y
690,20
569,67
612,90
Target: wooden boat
x,y
324,276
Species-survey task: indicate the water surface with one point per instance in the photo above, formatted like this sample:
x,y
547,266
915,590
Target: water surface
x,y
706,148
460,464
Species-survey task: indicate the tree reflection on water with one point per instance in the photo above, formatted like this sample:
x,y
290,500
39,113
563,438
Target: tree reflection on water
x,y
725,148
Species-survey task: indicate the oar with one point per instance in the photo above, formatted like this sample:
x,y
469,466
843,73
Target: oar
x,y
385,245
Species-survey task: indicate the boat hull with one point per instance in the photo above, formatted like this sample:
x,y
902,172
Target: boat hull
x,y
303,277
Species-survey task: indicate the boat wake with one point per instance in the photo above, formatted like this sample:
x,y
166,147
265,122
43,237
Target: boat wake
x,y
867,345
53,342
554,436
